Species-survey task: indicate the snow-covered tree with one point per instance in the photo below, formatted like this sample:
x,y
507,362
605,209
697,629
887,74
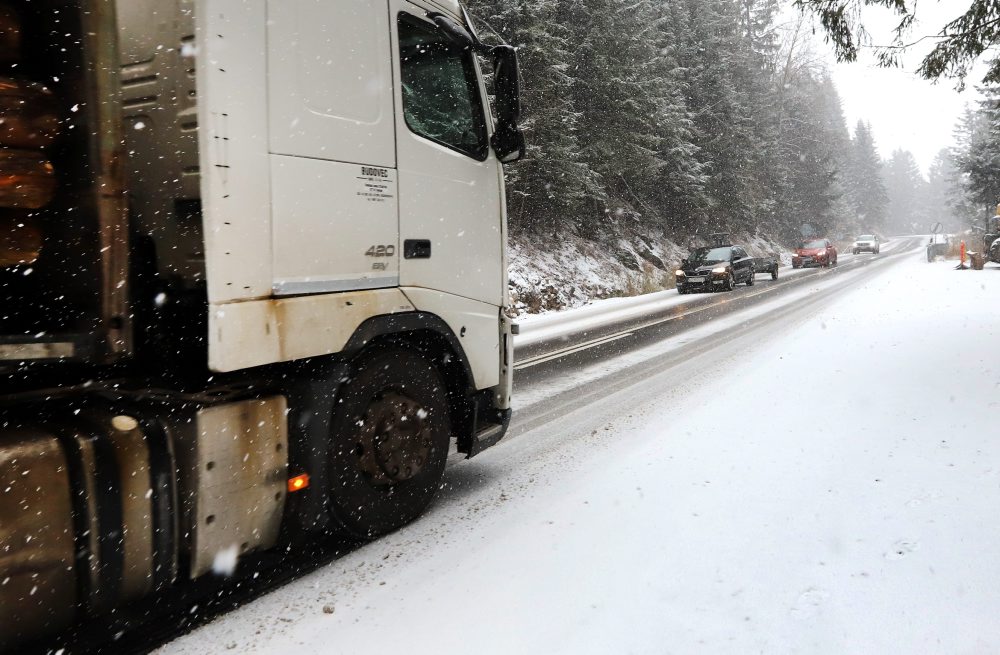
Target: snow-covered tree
x,y
944,195
553,184
689,116
864,181
979,152
906,188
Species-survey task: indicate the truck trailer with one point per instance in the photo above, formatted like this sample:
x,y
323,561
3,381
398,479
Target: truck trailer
x,y
252,283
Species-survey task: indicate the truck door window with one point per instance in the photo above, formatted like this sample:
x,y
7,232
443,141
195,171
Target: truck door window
x,y
440,90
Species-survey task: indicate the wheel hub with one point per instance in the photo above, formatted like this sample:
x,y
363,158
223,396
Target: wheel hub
x,y
394,440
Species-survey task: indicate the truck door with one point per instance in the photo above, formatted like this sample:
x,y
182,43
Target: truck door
x,y
451,228
335,223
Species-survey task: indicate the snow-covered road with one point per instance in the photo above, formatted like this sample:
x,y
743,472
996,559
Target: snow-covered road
x,y
828,485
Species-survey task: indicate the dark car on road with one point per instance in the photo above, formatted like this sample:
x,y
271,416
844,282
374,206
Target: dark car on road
x,y
716,267
816,252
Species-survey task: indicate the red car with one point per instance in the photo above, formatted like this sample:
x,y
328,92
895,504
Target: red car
x,y
817,252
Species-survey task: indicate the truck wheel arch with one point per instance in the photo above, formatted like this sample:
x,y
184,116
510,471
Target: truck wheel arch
x,y
429,335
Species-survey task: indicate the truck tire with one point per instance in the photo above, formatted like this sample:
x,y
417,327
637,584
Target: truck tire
x,y
750,278
774,273
390,437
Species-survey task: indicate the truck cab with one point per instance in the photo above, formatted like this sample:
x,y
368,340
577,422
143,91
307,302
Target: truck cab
x,y
254,281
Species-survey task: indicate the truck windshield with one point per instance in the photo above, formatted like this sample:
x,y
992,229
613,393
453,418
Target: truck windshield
x,y
710,255
866,237
440,89
811,245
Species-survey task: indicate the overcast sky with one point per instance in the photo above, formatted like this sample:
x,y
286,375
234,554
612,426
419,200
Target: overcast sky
x,y
905,111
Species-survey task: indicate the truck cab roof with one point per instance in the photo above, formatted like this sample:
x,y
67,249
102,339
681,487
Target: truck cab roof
x,y
453,7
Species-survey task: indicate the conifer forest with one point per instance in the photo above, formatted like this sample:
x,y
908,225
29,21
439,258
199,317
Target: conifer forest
x,y
688,117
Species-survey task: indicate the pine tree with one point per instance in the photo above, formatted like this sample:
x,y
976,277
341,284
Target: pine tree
x,y
680,191
760,53
980,161
960,197
713,67
618,96
552,185
812,189
866,191
942,190
905,185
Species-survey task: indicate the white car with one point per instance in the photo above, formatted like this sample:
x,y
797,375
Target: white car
x,y
866,243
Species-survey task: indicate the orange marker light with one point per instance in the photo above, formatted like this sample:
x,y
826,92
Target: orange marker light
x,y
298,483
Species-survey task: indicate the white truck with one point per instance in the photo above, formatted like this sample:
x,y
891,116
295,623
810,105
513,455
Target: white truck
x,y
252,281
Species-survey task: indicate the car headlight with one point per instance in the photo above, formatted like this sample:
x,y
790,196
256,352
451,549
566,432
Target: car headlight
x,y
720,269
680,273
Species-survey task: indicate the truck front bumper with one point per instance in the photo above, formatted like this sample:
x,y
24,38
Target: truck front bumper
x,y
490,435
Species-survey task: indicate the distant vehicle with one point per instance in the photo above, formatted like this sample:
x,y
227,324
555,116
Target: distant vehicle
x,y
766,265
718,267
815,252
866,243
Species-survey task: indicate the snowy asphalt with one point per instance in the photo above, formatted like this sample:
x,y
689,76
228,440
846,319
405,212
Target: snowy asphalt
x,y
826,481
621,352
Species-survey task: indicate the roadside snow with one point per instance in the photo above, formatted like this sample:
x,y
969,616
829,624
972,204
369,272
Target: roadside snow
x,y
829,486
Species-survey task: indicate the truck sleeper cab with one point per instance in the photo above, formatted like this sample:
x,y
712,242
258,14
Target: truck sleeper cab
x,y
263,296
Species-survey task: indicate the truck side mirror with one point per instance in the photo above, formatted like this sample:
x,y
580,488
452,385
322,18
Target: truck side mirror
x,y
508,140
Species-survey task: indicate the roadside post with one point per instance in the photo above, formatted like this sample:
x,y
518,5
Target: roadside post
x,y
934,245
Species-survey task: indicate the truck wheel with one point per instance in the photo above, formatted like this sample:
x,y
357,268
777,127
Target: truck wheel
x,y
730,282
390,437
774,273
750,278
